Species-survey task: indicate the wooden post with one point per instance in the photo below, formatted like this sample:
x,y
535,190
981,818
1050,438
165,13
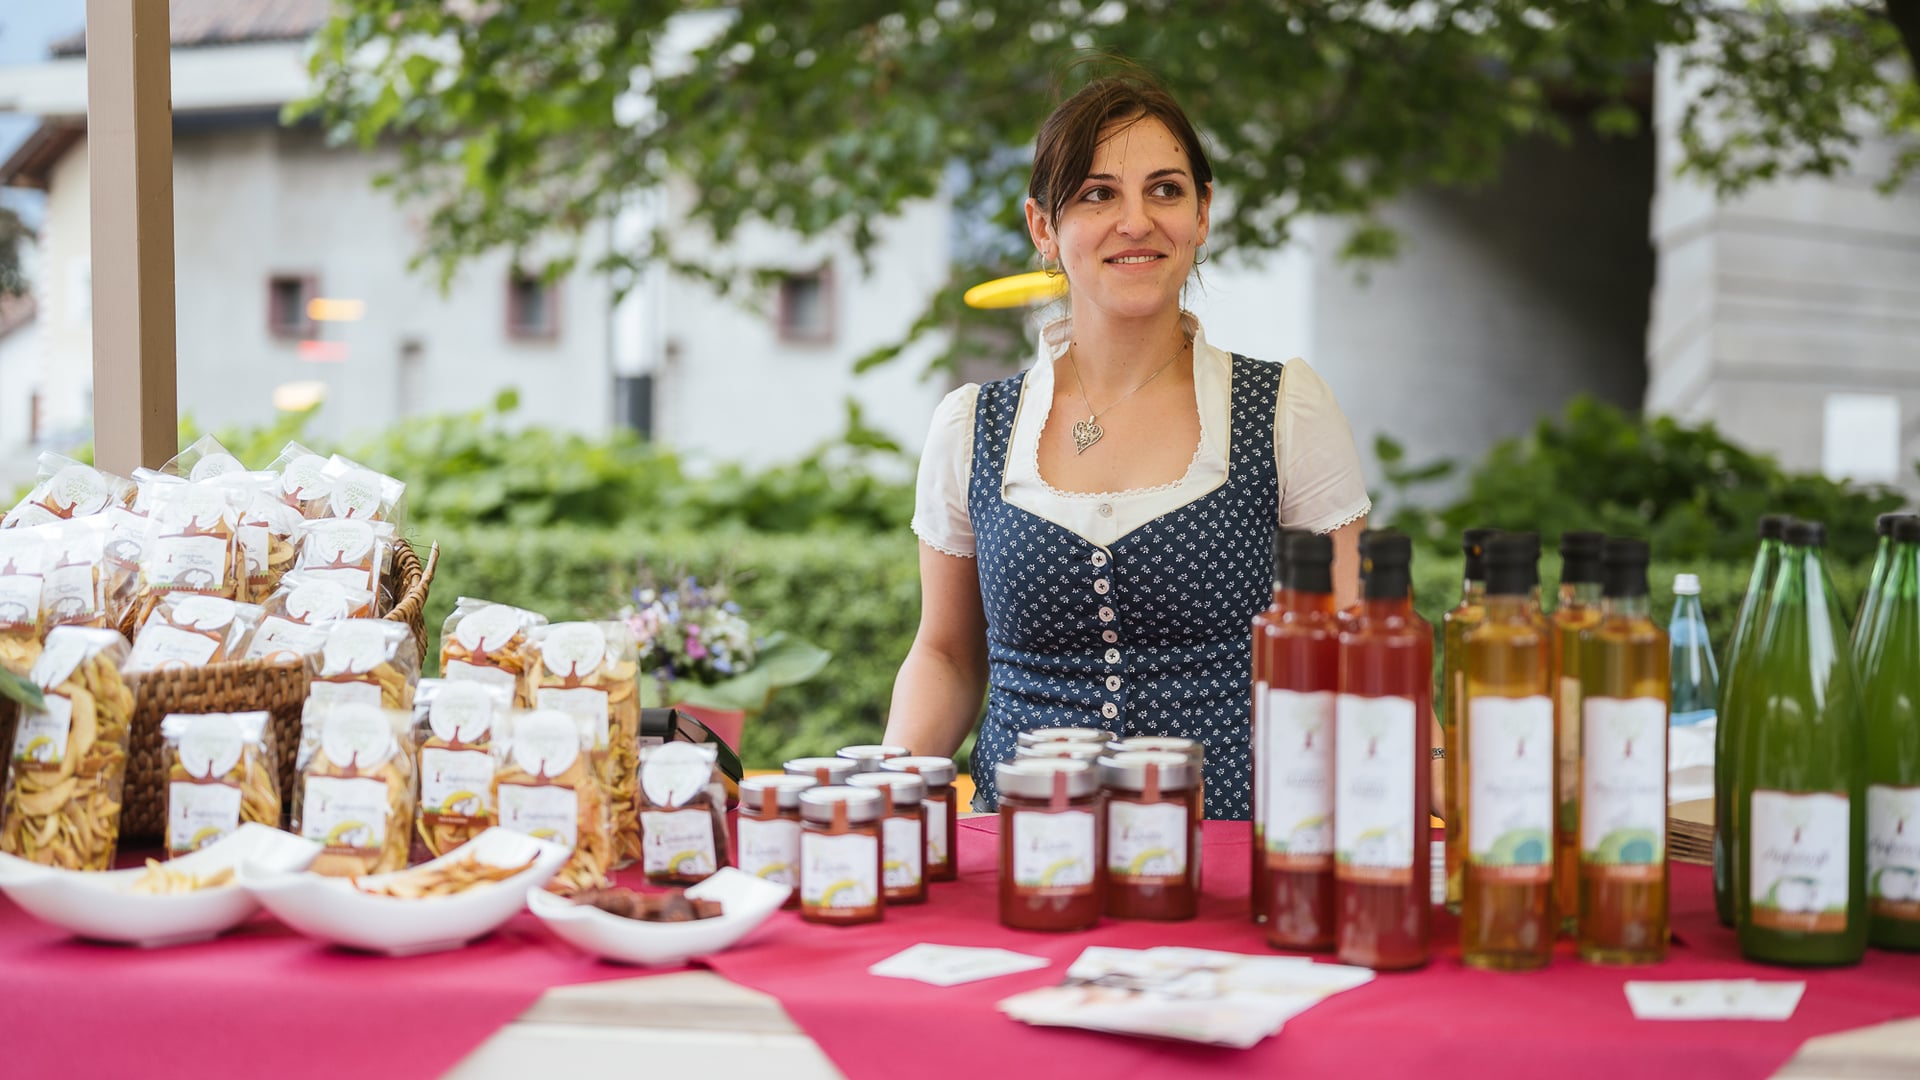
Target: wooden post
x,y
130,167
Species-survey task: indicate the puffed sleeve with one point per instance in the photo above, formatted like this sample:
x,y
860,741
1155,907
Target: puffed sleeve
x,y
940,496
1321,486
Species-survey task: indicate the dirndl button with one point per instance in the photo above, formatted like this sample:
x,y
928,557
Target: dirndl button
x,y
1113,682
1109,636
1109,710
1106,614
1100,586
1113,656
1099,558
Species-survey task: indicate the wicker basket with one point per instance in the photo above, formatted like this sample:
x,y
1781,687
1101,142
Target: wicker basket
x,y
244,686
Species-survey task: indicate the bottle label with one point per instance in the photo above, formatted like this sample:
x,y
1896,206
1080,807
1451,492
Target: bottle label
x,y
1893,851
1567,713
937,831
1297,763
839,873
1053,851
1373,784
905,855
770,849
542,811
1262,761
199,814
1147,842
1798,860
456,786
1623,801
1510,769
677,842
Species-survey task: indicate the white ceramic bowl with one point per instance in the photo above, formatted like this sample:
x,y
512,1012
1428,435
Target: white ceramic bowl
x,y
333,910
99,907
746,902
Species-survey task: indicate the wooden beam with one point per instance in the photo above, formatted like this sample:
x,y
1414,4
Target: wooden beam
x,y
130,167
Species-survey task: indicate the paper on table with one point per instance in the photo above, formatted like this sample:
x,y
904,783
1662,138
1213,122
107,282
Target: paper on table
x,y
951,965
1690,762
1714,999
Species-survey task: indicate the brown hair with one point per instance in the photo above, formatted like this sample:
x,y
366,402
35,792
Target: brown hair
x,y
1063,151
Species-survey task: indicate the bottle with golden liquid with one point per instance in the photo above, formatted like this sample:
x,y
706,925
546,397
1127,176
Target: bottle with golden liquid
x,y
1507,769
1622,770
1453,689
1578,609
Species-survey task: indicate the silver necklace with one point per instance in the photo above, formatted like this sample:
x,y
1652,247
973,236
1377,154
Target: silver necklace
x,y
1087,432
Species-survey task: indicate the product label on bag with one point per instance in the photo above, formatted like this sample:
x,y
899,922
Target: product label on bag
x,y
456,786
542,811
349,816
838,872
1893,851
1147,842
581,701
162,646
461,671
770,849
1053,851
1296,767
1797,859
1623,798
199,814
677,842
40,737
72,594
905,852
1510,769
1374,764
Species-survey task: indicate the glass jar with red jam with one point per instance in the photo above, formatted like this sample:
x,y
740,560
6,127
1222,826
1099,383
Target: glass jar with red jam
x,y
870,756
1052,862
768,830
1196,752
943,863
1153,865
1063,734
840,852
903,834
826,771
1089,752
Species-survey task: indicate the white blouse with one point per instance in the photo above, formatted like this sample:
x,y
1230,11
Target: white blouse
x,y
1321,488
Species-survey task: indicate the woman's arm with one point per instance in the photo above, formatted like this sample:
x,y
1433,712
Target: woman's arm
x,y
937,695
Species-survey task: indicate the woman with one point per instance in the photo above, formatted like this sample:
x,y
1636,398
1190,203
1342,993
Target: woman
x,y
1096,533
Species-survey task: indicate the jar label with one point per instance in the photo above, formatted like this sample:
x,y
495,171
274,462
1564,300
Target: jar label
x,y
1623,801
903,862
1798,861
937,831
200,814
1147,842
456,786
542,811
838,873
1510,766
770,849
1373,781
1296,767
677,842
1893,851
349,816
1053,851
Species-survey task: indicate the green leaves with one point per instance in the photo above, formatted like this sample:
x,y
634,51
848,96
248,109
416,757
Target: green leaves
x,y
15,688
783,661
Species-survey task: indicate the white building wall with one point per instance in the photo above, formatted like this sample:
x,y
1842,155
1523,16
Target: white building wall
x,y
22,360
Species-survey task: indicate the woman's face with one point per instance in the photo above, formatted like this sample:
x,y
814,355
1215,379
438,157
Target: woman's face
x,y
1127,237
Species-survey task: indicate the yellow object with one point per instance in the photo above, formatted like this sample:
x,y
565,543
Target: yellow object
x,y
1020,290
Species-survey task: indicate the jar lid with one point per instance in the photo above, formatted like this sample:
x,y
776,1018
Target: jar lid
x,y
907,788
1035,778
826,770
870,755
1127,771
1171,744
1078,751
785,788
1064,734
822,804
936,771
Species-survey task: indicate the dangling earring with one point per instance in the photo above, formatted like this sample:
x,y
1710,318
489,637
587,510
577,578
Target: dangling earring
x,y
1200,253
1050,271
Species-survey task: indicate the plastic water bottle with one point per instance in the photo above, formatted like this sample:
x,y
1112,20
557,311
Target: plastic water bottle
x,y
1696,678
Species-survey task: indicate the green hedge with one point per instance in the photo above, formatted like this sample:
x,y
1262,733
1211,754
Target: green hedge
x,y
855,594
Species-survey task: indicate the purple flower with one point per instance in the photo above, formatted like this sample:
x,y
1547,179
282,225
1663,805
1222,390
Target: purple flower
x,y
695,650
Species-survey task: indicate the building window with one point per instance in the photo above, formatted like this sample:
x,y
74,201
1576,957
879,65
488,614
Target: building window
x,y
287,297
533,308
806,306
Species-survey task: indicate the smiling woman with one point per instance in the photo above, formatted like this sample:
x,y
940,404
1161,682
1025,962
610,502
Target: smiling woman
x,y
1096,532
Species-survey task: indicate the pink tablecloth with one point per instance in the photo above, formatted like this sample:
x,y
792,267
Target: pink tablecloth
x,y
1570,1020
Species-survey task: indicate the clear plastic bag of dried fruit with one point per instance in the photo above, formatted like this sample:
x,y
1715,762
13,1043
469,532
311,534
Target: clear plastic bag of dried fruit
x,y
347,552
368,662
454,727
192,544
545,785
69,757
187,630
203,459
303,481
66,489
296,618
220,774
23,563
74,590
487,642
355,793
588,669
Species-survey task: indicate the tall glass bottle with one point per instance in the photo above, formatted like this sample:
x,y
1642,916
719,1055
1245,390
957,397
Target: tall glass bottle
x,y
1578,610
1263,621
1622,811
1507,773
1746,631
1869,632
1893,751
1800,885
1876,578
1453,689
1296,758
1382,714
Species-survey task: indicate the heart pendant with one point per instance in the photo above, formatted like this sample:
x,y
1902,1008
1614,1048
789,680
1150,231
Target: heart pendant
x,y
1085,434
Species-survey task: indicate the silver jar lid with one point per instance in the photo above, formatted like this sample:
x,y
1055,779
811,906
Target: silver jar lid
x,y
827,770
1034,778
907,789
1077,751
1128,771
870,755
786,789
1172,744
1064,734
817,804
936,771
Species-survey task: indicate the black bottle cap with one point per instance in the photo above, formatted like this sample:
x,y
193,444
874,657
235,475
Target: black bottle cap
x,y
1883,525
1580,557
1309,563
1626,559
1386,560
1907,530
1774,526
1473,544
1513,564
1806,534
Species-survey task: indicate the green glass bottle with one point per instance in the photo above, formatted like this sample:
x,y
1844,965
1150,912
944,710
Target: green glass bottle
x,y
1800,887
1877,577
1892,694
1869,632
1453,691
1766,566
